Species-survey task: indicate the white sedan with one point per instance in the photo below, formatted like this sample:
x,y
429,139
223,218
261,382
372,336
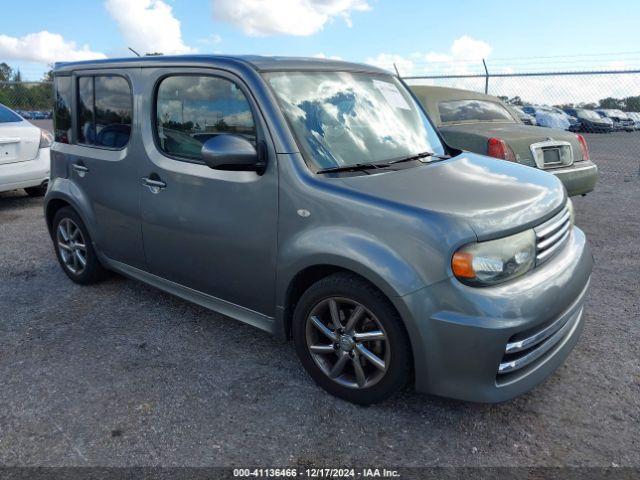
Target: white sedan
x,y
24,154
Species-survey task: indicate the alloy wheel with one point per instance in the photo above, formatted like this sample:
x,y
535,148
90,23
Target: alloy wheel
x,y
347,342
72,246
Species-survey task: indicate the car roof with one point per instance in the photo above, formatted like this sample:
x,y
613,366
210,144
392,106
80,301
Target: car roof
x,y
259,63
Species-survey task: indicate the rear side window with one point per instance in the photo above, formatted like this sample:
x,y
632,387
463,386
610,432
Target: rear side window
x,y
473,111
62,109
7,116
105,107
192,109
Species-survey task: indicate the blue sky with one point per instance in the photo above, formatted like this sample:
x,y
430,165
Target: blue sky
x,y
419,36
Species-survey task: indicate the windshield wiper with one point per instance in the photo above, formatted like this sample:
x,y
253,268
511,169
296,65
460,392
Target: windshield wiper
x,y
418,156
351,168
370,166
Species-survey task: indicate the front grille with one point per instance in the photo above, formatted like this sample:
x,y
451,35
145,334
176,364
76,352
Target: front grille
x,y
551,235
524,349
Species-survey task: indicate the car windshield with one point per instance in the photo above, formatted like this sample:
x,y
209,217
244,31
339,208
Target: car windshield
x,y
347,118
456,111
7,116
588,115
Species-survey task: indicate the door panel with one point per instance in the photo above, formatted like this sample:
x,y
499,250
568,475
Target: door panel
x,y
211,230
107,174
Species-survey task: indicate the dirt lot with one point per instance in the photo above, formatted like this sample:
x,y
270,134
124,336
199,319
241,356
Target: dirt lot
x,y
122,374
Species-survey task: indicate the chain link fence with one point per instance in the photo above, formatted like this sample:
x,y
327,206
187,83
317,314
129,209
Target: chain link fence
x,y
615,90
27,96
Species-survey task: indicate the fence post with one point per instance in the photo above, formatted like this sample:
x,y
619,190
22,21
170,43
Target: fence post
x,y
486,77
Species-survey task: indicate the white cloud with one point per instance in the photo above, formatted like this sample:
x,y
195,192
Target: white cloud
x,y
329,57
392,61
148,26
44,47
213,39
464,55
286,17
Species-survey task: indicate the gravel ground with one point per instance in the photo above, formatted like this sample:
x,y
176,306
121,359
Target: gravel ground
x,y
122,374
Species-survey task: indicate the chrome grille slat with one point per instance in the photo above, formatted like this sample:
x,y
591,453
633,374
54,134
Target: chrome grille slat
x,y
544,347
555,237
553,224
541,257
551,235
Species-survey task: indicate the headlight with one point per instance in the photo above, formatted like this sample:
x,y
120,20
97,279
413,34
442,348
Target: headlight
x,y
46,139
495,261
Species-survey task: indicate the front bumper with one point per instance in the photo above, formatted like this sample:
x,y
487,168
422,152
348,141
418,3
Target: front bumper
x,y
30,173
460,334
579,178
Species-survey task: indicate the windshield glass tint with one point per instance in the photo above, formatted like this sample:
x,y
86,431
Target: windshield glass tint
x,y
473,111
345,118
7,116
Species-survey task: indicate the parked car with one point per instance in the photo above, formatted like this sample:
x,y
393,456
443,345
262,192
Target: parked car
x,y
575,125
524,117
620,119
635,116
325,209
546,117
590,121
484,124
24,154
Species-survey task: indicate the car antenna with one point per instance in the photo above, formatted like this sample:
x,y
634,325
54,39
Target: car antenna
x,y
137,54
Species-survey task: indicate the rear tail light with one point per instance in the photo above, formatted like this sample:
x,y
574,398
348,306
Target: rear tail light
x,y
498,148
46,139
583,147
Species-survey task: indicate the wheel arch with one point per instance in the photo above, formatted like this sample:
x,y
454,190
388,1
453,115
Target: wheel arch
x,y
306,276
60,196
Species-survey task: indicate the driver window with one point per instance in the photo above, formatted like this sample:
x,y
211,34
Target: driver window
x,y
192,109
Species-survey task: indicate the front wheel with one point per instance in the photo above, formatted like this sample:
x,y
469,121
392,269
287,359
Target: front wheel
x,y
351,340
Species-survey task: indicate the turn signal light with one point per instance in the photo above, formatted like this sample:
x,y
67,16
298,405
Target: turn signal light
x,y
498,148
462,265
583,146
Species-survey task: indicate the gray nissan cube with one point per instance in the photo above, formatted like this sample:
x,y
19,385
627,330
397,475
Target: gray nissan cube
x,y
315,200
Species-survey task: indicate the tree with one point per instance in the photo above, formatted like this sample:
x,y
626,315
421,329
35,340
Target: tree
x,y
6,72
611,102
632,104
48,76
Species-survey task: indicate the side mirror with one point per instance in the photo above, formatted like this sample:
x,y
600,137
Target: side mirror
x,y
231,152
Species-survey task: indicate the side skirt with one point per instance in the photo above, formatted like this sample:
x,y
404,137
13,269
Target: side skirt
x,y
245,315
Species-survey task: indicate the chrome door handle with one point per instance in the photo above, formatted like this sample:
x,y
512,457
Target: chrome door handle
x,y
154,185
81,170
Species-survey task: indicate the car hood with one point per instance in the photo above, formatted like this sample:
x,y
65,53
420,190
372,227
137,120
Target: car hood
x,y
494,197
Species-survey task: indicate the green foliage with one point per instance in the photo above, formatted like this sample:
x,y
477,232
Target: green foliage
x,y
27,96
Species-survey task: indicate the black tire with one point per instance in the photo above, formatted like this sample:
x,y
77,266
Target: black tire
x,y
92,271
398,359
38,191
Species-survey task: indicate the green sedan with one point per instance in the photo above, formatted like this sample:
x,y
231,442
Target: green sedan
x,y
484,124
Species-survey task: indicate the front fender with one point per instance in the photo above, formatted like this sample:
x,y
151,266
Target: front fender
x,y
349,249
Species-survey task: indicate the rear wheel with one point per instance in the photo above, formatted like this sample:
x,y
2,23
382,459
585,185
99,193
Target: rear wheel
x,y
351,339
74,249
